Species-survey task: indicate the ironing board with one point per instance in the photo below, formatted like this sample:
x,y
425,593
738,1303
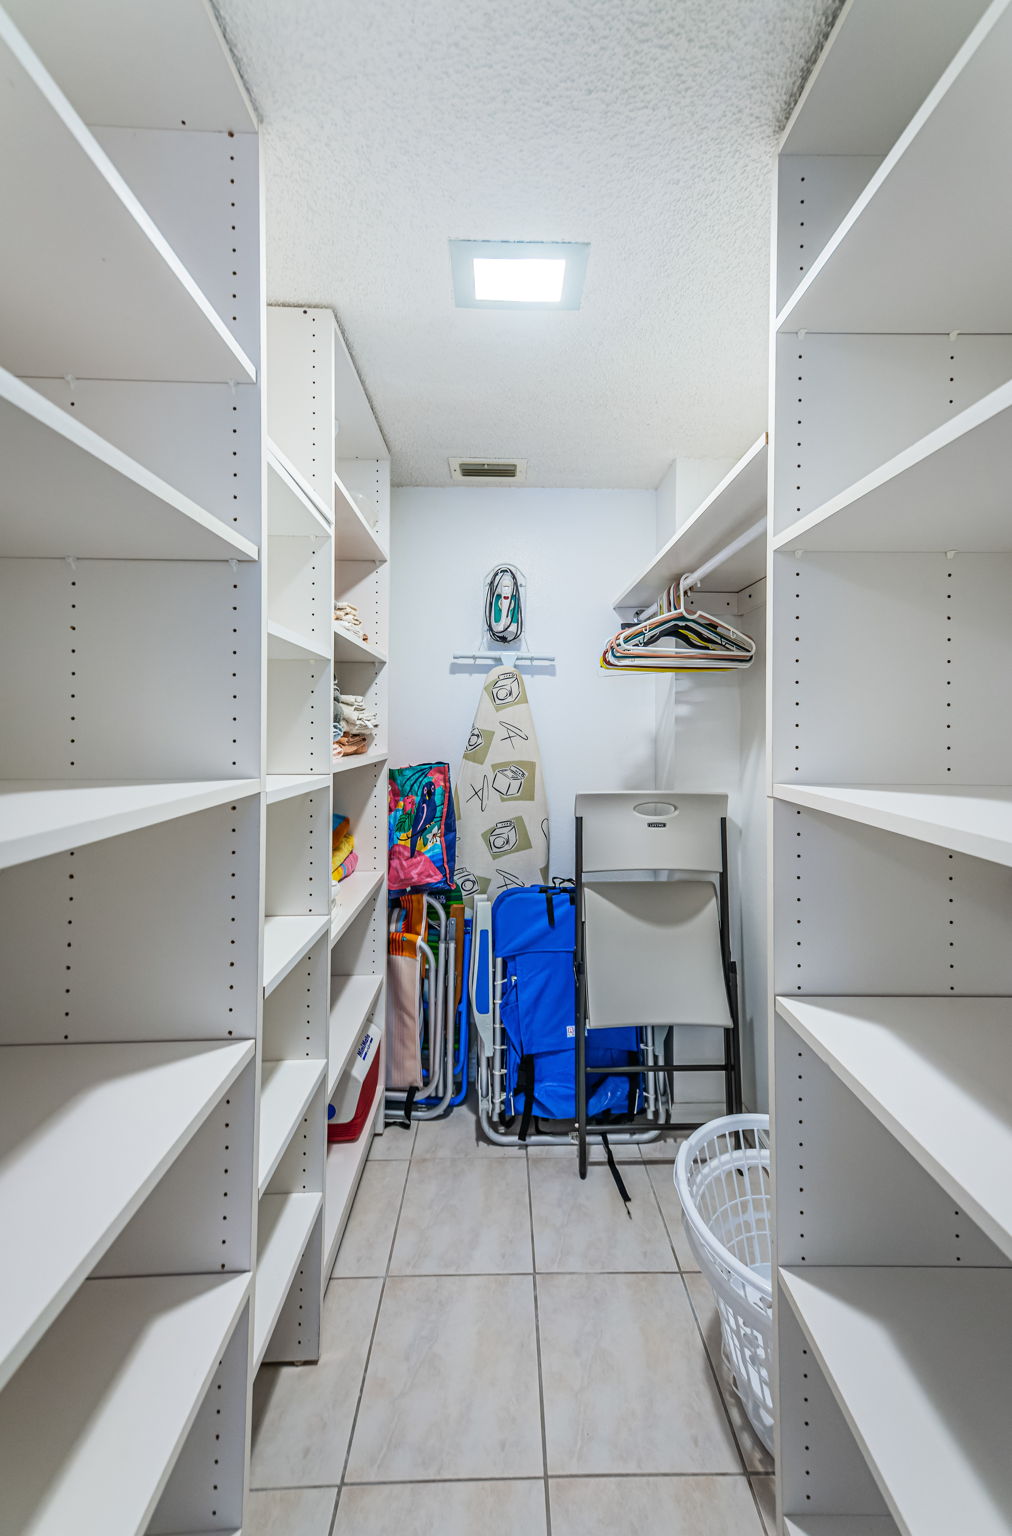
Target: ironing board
x,y
499,796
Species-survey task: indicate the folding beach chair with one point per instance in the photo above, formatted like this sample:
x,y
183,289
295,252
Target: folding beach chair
x,y
653,952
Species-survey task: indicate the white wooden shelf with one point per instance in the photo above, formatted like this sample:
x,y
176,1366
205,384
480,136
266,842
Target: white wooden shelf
x,y
293,507
86,1132
937,1073
736,505
288,786
924,248
975,820
352,895
283,1228
286,1088
353,998
349,647
345,1161
868,83
92,1423
286,940
919,1360
284,644
947,491
840,1525
359,760
39,817
66,491
166,63
88,284
354,537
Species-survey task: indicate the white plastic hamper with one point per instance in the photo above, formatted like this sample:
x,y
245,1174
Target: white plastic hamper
x,y
722,1176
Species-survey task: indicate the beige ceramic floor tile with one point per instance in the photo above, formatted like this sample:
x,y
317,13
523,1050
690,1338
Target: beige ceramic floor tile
x,y
443,1509
468,1217
395,1144
757,1458
653,1506
302,1415
662,1179
581,1225
627,1386
290,1512
458,1136
665,1150
365,1246
764,1489
452,1385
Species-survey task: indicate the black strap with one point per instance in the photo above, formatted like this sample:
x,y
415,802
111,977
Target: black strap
x,y
525,1085
409,1104
619,1182
550,904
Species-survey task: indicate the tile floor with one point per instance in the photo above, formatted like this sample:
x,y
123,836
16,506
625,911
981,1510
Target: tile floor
x,y
505,1353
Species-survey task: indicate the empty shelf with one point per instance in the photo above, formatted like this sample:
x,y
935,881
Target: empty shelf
x,y
348,647
284,644
286,1087
345,1161
919,1361
923,248
839,1525
286,940
351,896
359,760
937,1073
86,1132
354,538
293,507
947,491
88,284
39,817
728,513
92,1423
66,491
976,821
352,1000
286,786
283,1228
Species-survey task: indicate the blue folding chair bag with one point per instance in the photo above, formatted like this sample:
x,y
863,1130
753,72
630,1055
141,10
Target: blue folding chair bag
x,y
534,933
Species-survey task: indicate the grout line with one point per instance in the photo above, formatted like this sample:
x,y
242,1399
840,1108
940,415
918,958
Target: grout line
x,y
368,1360
519,1477
664,1224
716,1379
537,1347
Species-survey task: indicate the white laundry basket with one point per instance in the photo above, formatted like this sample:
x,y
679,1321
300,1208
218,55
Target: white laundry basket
x,y
722,1176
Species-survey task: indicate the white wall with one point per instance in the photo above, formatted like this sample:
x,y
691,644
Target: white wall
x,y
576,548
687,483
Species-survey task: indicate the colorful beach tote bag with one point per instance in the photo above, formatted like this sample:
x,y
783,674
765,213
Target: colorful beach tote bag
x,y
422,828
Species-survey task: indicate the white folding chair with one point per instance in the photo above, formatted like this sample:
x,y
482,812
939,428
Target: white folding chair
x,y
654,953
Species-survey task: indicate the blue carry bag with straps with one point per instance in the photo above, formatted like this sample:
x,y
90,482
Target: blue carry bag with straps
x,y
534,933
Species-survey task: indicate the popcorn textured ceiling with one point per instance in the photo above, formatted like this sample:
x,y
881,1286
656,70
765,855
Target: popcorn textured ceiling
x,y
646,127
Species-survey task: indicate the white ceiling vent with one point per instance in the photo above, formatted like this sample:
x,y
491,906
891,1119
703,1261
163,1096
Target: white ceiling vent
x,y
491,471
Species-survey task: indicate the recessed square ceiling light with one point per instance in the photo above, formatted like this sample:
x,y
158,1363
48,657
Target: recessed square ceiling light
x,y
517,274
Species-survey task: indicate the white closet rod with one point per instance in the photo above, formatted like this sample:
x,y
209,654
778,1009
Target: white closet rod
x,y
693,578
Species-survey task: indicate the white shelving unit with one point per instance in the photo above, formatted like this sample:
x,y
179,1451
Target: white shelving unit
x,y
328,476
890,769
734,514
131,770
